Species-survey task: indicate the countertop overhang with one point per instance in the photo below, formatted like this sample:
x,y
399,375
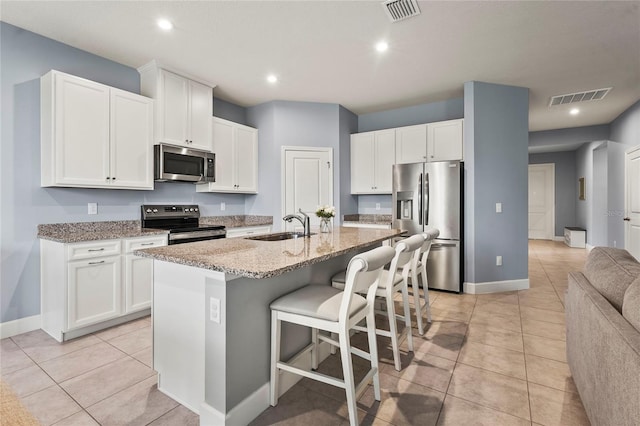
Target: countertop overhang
x,y
265,259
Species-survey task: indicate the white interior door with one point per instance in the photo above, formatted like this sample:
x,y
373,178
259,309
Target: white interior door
x,y
541,201
632,202
307,182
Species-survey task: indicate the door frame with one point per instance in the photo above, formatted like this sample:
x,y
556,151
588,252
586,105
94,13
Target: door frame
x,y
283,183
627,201
552,196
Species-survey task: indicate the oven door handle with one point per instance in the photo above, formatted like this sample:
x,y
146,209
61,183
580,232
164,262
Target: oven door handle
x,y
200,234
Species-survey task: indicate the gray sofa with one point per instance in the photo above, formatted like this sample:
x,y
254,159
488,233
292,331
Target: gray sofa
x,y
603,336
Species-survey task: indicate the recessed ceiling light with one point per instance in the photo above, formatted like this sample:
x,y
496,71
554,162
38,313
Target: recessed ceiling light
x,y
382,46
165,24
574,111
272,78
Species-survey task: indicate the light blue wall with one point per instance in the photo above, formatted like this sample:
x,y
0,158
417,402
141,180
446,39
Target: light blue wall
x,y
287,123
229,111
399,117
572,137
566,186
417,114
25,57
496,157
348,124
626,128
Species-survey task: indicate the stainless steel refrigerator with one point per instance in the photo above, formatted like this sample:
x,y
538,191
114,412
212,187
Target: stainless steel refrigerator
x,y
430,195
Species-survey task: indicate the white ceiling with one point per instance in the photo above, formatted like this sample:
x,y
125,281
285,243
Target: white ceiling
x,y
322,51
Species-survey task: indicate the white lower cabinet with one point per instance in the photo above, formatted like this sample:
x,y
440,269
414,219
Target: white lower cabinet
x,y
92,285
94,291
248,231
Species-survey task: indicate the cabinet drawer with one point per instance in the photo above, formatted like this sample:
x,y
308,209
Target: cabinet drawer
x,y
132,244
248,231
93,249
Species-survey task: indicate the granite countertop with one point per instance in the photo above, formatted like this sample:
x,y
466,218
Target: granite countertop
x,y
240,221
376,219
95,231
264,259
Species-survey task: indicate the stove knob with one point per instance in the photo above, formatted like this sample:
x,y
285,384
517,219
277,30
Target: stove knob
x,y
148,210
196,209
155,210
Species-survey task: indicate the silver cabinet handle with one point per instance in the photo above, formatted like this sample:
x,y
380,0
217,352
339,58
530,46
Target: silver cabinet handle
x,y
147,244
96,263
100,249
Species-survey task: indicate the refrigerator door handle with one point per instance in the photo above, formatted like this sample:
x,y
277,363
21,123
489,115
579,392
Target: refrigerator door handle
x,y
420,199
426,198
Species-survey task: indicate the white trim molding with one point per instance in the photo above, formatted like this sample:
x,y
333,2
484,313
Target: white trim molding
x,y
19,326
496,286
589,247
558,238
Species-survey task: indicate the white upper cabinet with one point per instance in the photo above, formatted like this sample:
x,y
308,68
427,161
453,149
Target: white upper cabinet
x,y
372,158
184,107
411,144
94,136
236,149
445,140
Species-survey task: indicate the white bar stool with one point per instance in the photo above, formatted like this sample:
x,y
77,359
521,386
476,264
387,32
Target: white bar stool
x,y
326,308
419,270
390,283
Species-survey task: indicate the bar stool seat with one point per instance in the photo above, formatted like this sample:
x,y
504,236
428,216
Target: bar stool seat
x,y
336,312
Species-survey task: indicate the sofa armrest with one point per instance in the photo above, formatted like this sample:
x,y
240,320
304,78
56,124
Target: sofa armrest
x,y
603,352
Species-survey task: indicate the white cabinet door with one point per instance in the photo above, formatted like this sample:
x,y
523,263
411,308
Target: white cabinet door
x,y
81,132
223,147
236,149
384,161
137,283
372,157
246,159
200,113
131,140
362,163
411,144
94,292
174,109
444,140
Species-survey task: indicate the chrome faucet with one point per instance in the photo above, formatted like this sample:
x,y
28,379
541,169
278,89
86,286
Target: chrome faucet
x,y
303,220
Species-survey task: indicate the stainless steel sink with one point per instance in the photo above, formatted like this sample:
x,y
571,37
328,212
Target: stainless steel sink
x,y
279,236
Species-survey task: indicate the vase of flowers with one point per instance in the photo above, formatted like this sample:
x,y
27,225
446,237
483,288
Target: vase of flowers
x,y
325,213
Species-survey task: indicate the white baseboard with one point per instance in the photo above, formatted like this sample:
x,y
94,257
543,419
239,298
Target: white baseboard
x,y
589,247
253,405
19,326
558,238
496,286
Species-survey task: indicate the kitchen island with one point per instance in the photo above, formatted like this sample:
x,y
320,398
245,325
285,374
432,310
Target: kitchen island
x,y
211,317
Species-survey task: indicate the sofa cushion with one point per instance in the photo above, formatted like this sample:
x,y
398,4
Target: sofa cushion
x,y
611,271
631,304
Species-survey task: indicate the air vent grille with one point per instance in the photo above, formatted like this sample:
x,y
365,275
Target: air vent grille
x,y
572,98
398,10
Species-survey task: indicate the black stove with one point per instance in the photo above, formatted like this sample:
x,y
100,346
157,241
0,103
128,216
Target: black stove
x,y
182,222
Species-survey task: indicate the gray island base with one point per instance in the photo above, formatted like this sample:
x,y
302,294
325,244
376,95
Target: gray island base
x,y
211,317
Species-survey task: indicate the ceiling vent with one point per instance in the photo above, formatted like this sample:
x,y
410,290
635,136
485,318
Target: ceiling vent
x,y
398,10
572,98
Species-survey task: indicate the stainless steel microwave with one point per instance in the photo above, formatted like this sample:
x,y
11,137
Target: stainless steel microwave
x,y
173,163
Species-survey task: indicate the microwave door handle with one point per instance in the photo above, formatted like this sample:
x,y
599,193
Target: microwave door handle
x,y
420,199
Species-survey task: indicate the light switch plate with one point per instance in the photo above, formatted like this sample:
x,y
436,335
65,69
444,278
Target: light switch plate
x,y
498,207
92,208
377,206
223,206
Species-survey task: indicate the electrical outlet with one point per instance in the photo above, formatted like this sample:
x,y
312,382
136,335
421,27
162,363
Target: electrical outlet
x,y
498,207
92,208
377,206
223,206
214,310
498,260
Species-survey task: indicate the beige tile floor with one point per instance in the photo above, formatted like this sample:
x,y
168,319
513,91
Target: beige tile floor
x,y
494,359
